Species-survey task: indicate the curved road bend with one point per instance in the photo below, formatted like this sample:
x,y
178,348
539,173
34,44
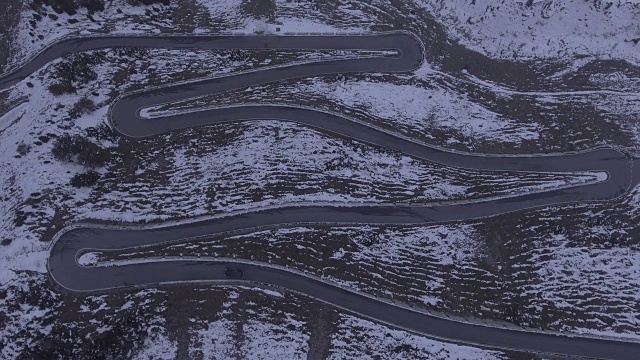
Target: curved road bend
x,y
125,112
409,46
65,271
125,119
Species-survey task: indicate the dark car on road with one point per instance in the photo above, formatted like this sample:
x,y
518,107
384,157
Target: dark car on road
x,y
230,272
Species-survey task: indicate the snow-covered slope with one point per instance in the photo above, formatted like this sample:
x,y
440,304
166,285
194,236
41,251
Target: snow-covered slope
x,y
544,274
539,272
543,29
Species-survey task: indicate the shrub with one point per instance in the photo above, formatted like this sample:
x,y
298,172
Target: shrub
x,y
102,132
59,6
62,87
77,67
259,8
73,71
20,218
92,5
68,148
86,179
93,156
83,106
23,149
64,148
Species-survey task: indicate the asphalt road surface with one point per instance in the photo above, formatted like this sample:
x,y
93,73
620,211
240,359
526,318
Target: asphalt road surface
x,y
125,118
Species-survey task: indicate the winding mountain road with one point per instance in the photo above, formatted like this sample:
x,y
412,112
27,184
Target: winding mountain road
x,y
125,118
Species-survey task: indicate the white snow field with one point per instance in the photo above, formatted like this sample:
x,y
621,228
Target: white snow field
x,y
547,29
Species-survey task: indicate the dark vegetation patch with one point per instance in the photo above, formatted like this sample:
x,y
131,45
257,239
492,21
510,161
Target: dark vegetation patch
x,y
85,179
83,106
115,324
69,6
74,71
77,327
71,148
9,19
148,2
23,149
260,9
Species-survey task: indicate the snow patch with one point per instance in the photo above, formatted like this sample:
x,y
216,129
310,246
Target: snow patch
x,y
157,346
423,109
542,28
88,259
212,340
377,341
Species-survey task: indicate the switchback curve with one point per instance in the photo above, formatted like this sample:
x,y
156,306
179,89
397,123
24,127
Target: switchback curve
x,y
125,118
